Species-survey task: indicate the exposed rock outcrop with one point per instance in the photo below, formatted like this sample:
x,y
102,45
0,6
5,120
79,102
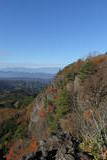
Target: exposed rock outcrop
x,y
69,119
66,148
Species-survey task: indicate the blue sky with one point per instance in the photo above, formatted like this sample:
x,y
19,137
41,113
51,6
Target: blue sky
x,y
37,33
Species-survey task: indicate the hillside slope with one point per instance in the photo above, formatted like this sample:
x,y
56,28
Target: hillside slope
x,y
69,118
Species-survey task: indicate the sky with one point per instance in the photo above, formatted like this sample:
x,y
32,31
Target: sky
x,y
51,33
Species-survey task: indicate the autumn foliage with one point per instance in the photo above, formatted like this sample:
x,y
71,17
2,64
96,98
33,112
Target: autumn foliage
x,y
75,112
21,148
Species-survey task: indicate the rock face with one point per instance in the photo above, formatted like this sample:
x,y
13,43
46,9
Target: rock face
x,y
38,124
65,153
66,148
55,126
86,96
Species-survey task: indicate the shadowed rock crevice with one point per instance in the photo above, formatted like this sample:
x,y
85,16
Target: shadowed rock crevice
x,y
66,150
2,155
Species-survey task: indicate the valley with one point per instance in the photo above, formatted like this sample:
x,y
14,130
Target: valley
x,y
16,96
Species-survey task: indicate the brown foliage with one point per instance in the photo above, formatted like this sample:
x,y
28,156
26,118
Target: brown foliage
x,y
99,59
6,114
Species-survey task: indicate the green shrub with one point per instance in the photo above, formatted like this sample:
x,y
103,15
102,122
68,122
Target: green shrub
x,y
8,127
87,68
53,125
25,101
94,145
11,130
94,135
47,101
70,76
20,131
91,146
63,104
60,83
7,132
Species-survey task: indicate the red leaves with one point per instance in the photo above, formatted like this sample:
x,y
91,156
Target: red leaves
x,y
10,155
42,112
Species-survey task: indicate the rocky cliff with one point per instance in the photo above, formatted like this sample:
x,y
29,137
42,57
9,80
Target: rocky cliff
x,y
68,119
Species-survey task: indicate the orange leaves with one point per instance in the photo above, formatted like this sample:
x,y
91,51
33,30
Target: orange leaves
x,y
42,112
33,145
72,68
99,59
88,114
21,148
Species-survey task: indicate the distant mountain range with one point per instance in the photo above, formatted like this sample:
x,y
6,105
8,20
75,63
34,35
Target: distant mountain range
x,y
51,70
37,73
